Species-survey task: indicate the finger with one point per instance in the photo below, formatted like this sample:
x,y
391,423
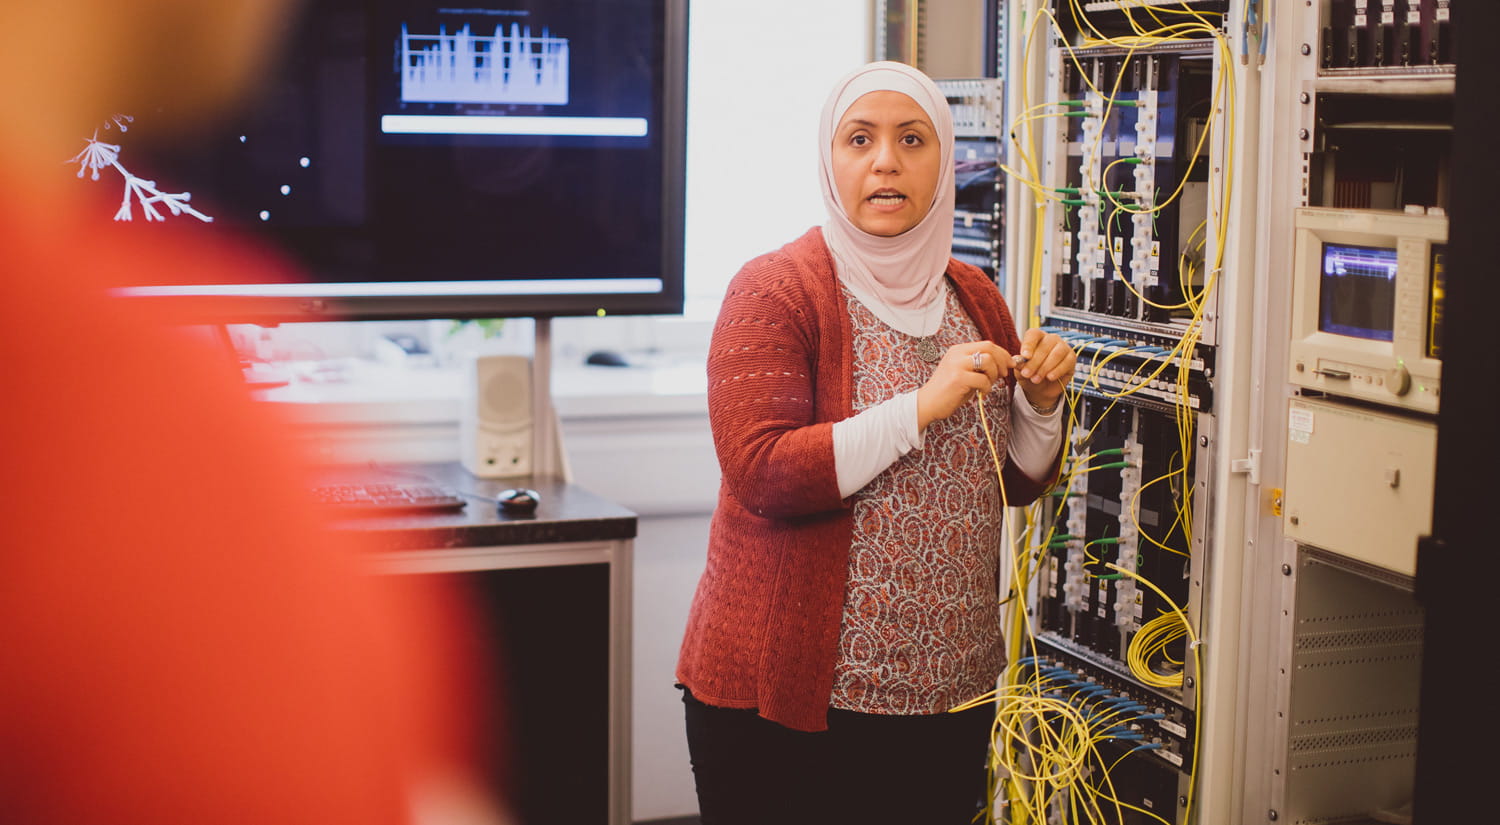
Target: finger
x,y
1001,358
1058,366
1033,354
984,357
1050,352
1044,361
976,382
984,363
1030,341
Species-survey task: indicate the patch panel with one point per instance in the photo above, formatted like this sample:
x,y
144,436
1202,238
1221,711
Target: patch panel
x,y
1158,718
1126,501
1143,742
1131,216
1144,367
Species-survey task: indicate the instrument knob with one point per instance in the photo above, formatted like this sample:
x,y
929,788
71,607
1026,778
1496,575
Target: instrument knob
x,y
1398,381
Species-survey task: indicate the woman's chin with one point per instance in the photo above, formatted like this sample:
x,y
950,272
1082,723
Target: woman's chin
x,y
886,226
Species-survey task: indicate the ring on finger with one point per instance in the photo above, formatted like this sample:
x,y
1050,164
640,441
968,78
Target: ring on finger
x,y
978,359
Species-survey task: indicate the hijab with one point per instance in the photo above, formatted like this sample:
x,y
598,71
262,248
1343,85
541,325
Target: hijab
x,y
904,272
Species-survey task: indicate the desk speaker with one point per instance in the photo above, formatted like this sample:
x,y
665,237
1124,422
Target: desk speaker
x,y
495,424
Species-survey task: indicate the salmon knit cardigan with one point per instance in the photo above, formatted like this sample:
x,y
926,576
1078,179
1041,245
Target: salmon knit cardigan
x,y
763,629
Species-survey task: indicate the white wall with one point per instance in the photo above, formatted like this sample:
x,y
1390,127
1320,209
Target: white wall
x,y
757,76
668,561
656,459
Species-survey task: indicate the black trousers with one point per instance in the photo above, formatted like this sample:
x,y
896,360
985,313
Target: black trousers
x,y
865,769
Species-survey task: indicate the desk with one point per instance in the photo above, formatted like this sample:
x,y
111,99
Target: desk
x,y
553,591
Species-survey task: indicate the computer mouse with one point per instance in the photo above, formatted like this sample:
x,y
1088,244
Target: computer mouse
x,y
606,358
518,501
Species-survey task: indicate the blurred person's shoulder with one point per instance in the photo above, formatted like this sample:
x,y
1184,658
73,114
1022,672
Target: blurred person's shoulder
x,y
95,380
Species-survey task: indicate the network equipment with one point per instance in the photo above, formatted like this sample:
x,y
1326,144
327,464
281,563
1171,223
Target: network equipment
x,y
1123,18
1146,737
1132,242
1122,160
978,216
1359,482
1351,678
1128,503
1366,34
1367,305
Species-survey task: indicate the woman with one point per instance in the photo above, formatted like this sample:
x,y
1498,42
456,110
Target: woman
x,y
850,594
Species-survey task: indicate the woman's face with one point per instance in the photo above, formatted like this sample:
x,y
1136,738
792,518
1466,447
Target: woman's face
x,y
886,162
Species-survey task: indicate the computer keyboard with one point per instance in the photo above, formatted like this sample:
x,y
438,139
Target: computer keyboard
x,y
387,498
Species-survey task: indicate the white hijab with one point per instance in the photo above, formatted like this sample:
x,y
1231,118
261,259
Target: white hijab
x,y
904,272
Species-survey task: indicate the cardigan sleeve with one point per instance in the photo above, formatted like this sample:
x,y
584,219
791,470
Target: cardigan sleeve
x,y
775,456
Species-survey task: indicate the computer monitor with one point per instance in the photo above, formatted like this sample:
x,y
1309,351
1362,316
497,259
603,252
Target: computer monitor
x,y
416,159
1367,305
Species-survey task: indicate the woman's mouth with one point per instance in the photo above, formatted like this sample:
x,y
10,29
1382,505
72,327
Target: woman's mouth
x,y
886,199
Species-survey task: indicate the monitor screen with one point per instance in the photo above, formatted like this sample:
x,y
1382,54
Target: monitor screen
x,y
423,159
1357,293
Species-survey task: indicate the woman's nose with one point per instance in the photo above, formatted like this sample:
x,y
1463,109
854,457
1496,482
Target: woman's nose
x,y
886,160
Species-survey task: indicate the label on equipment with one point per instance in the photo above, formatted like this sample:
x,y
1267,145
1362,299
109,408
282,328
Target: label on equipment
x,y
1300,423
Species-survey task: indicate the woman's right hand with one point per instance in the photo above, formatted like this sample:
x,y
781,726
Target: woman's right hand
x,y
965,369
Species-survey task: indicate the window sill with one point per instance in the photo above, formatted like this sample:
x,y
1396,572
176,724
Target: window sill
x,y
368,393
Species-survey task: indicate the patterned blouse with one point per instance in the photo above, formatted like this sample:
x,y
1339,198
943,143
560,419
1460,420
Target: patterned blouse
x,y
921,625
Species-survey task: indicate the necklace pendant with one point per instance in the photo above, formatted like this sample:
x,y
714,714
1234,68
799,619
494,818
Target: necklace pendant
x,y
927,349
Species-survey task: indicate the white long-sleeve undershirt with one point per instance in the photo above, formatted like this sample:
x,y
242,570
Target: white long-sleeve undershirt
x,y
866,444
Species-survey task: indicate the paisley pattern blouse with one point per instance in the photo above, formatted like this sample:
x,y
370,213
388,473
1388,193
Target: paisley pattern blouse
x,y
921,620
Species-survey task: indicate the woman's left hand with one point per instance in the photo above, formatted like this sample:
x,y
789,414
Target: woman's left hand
x,y
1044,367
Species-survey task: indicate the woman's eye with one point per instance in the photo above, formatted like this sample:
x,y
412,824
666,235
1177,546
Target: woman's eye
x,y
859,140
911,140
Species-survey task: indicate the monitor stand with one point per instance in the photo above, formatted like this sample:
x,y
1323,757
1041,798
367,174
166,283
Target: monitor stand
x,y
547,457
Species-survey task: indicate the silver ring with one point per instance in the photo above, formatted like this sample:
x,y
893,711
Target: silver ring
x,y
977,357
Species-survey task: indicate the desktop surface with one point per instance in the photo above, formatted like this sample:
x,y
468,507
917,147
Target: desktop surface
x,y
564,512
